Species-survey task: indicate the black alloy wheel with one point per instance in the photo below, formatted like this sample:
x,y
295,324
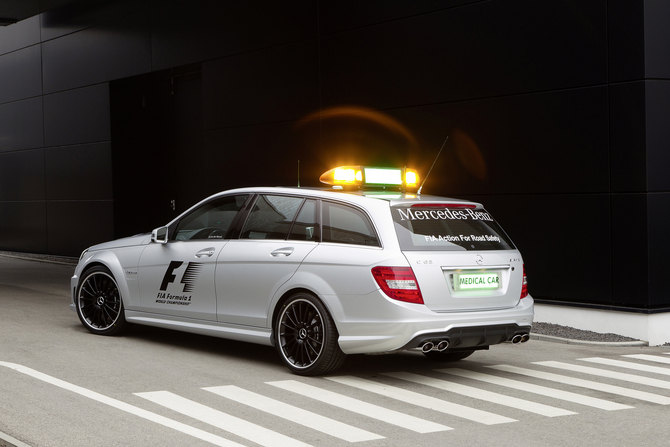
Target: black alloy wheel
x,y
99,304
307,336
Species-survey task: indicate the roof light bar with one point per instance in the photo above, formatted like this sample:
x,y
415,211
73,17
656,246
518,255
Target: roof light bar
x,y
379,176
368,176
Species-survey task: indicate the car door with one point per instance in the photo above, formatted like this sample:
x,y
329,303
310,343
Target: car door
x,y
277,235
177,278
350,247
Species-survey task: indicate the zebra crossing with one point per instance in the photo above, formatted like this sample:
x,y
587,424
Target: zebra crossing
x,y
564,389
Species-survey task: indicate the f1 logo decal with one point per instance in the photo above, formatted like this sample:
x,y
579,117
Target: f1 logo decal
x,y
188,278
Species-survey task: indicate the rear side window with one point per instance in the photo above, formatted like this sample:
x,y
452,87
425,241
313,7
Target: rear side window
x,y
440,227
347,225
271,217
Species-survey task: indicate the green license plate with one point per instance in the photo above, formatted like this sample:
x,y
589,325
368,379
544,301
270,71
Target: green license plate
x,y
476,281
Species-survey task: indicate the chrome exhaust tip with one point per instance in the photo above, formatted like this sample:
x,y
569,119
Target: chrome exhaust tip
x,y
525,338
517,339
428,346
443,345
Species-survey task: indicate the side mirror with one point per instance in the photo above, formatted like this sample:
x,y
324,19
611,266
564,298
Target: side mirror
x,y
160,235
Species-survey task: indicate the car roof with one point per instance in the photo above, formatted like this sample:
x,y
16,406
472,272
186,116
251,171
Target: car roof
x,y
367,199
356,196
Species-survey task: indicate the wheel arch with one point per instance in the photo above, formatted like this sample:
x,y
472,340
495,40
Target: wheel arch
x,y
100,308
328,304
321,332
113,265
280,302
309,282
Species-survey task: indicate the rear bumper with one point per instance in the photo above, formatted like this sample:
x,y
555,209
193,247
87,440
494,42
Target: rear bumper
x,y
413,325
470,337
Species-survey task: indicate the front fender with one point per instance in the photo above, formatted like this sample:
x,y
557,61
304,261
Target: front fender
x,y
122,263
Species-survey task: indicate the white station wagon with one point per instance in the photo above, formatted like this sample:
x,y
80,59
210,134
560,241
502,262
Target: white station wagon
x,y
363,269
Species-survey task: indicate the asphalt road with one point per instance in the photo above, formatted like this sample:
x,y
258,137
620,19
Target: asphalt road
x,y
62,386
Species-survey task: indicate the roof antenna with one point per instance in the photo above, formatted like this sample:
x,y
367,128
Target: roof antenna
x,y
433,165
298,173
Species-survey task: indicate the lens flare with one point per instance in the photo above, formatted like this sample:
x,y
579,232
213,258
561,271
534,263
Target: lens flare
x,y
363,113
469,155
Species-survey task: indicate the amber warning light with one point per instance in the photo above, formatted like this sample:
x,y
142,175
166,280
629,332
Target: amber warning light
x,y
366,176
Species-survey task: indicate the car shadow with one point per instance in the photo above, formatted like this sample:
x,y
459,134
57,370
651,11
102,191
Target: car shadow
x,y
357,364
261,355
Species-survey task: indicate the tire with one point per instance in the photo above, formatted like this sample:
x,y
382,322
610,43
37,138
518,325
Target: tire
x,y
99,304
306,336
445,356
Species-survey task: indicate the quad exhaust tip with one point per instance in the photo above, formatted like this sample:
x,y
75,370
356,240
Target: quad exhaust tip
x,y
441,345
520,338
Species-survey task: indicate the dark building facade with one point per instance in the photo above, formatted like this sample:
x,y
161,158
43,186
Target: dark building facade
x,y
115,116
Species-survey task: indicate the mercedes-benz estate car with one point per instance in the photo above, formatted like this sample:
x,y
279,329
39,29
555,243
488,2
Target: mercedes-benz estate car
x,y
318,274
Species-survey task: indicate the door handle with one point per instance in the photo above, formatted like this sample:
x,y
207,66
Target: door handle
x,y
284,251
205,252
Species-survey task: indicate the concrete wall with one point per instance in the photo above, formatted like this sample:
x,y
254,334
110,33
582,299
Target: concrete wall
x,y
556,112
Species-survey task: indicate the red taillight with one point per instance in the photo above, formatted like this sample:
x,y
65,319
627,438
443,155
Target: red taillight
x,y
398,283
524,284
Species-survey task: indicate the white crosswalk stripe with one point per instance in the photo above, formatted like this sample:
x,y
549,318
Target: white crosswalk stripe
x,y
360,407
231,424
423,400
476,393
629,365
589,384
626,377
294,414
390,423
537,389
649,358
123,406
356,433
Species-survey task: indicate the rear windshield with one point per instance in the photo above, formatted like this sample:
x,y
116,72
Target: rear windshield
x,y
440,227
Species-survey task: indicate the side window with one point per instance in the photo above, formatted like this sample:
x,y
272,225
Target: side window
x,y
305,227
211,220
271,217
347,225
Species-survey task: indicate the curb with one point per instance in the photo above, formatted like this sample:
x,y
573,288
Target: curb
x,y
73,263
10,441
568,341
